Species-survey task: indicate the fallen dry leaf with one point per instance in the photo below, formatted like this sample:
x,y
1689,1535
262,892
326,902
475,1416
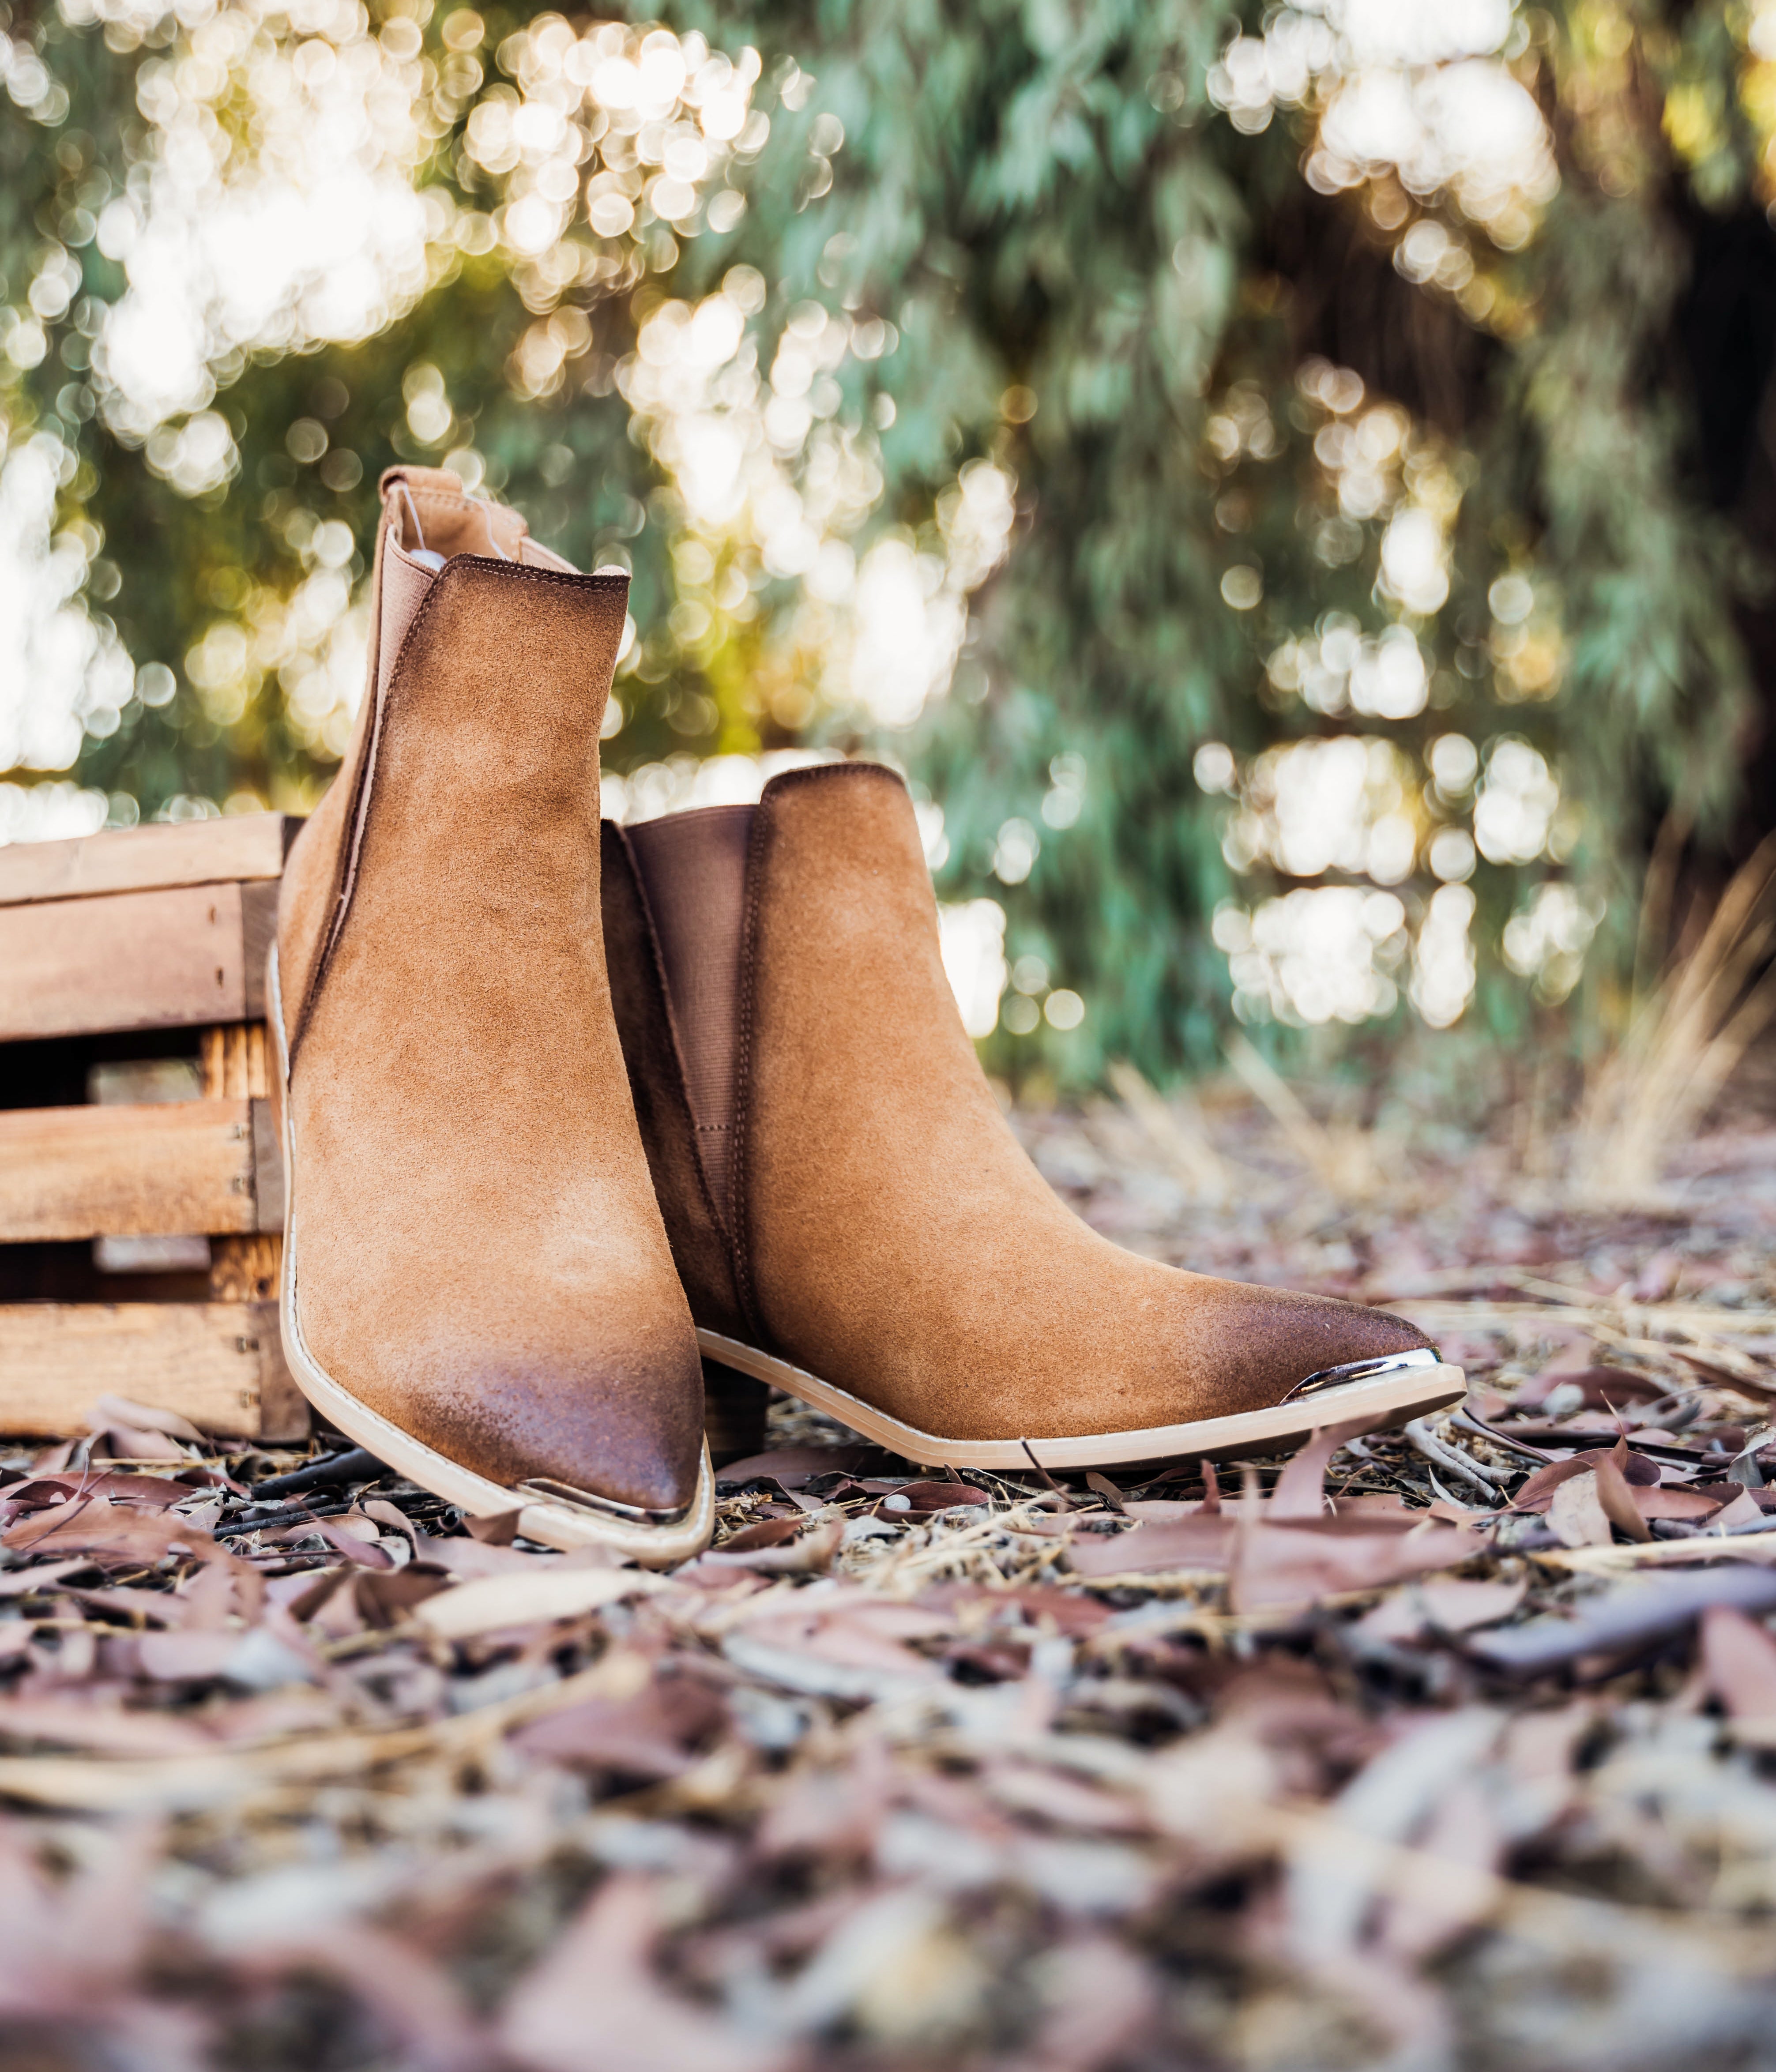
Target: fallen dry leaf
x,y
1157,1769
1203,1542
1297,1563
1575,1514
1449,1604
1629,1615
595,2004
492,1603
807,1553
1739,1664
652,1734
108,1532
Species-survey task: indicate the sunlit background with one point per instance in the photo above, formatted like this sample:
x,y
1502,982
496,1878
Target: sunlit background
x,y
1239,466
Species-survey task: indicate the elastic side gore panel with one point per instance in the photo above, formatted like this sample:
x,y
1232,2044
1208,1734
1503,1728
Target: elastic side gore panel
x,y
692,868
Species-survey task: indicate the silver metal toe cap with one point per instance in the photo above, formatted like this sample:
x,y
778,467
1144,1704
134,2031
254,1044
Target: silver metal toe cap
x,y
1363,1370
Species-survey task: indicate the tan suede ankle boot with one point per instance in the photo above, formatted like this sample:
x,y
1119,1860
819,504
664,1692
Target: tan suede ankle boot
x,y
852,1217
478,1286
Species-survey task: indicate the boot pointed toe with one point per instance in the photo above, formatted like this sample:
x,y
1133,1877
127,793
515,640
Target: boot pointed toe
x,y
562,1431
1261,1345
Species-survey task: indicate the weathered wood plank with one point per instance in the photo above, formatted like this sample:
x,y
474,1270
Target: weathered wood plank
x,y
258,930
218,1363
183,1167
246,846
268,1168
283,1410
235,1063
164,959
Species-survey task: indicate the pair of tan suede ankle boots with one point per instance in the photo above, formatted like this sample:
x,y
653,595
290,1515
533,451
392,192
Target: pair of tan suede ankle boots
x,y
569,1107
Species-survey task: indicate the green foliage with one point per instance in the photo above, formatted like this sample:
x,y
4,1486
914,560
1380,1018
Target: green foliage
x,y
1131,307
1111,263
1011,198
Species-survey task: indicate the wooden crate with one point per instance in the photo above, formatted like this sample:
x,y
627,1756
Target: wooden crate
x,y
124,954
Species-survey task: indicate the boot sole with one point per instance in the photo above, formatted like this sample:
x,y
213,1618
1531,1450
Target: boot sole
x,y
564,1526
1368,1403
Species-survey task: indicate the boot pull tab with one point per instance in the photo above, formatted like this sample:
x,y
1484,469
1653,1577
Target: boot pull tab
x,y
428,557
454,512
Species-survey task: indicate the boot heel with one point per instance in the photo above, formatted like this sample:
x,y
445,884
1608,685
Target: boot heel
x,y
734,1413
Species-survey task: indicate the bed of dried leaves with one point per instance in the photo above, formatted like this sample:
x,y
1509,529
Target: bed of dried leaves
x,y
1449,1747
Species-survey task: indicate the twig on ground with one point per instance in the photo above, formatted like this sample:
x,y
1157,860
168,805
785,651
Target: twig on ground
x,y
1453,1461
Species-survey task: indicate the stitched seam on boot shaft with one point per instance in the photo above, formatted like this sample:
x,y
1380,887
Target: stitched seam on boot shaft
x,y
364,796
664,993
758,854
289,1031
344,863
740,1159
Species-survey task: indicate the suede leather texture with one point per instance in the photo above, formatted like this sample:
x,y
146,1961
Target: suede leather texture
x,y
317,872
478,1252
892,1237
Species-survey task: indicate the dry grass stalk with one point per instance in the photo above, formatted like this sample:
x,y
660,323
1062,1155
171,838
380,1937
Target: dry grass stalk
x,y
1686,1035
1341,1156
1175,1128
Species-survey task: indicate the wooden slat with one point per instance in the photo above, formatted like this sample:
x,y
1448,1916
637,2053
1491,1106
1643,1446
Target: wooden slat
x,y
283,1408
134,961
249,845
268,1170
183,1168
236,1062
218,1363
258,930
